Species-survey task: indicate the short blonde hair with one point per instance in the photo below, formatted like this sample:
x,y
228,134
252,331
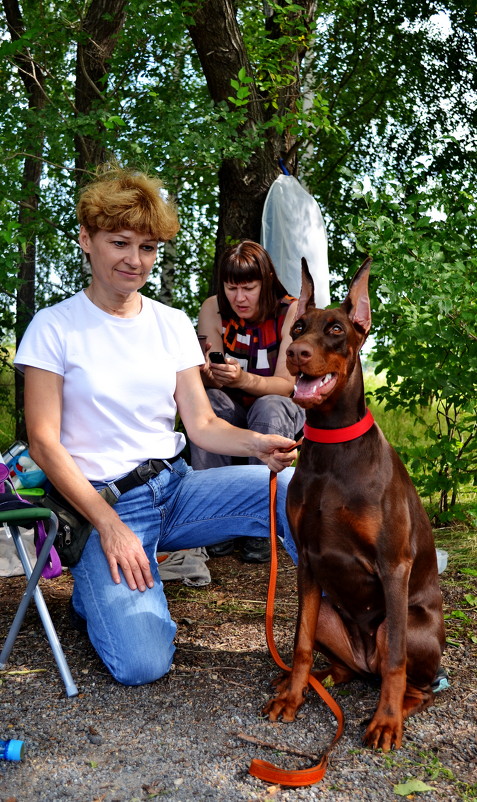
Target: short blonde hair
x,y
120,198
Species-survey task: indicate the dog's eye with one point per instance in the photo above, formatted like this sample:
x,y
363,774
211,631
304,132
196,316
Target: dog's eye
x,y
298,327
335,329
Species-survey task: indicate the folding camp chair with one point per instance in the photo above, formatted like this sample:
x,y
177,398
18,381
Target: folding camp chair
x,y
12,521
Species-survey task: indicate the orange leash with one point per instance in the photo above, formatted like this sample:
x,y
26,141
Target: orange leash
x,y
261,768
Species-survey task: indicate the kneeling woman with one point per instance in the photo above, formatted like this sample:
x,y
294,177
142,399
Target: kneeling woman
x,y
106,371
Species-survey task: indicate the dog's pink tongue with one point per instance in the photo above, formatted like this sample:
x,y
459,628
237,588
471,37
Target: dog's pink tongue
x,y
308,388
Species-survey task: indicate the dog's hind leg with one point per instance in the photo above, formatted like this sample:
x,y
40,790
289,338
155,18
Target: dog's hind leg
x,y
338,673
415,700
333,640
423,653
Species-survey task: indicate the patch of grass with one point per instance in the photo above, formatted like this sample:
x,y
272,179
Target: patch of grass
x,y
461,542
427,766
398,426
7,407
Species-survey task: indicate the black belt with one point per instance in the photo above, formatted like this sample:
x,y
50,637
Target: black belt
x,y
141,474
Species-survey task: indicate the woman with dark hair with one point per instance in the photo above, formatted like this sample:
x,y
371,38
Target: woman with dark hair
x,y
249,322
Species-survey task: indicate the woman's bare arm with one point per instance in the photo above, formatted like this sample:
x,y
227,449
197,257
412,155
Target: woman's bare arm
x,y
216,435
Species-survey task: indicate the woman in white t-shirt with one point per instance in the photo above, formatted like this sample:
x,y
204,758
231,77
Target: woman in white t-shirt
x,y
106,371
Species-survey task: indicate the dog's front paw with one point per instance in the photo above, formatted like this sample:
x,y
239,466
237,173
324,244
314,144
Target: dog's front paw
x,y
282,707
281,682
385,734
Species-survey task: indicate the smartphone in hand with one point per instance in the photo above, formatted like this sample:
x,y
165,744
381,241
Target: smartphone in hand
x,y
217,358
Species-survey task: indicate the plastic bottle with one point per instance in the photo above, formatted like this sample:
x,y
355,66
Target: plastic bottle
x,y
13,451
10,457
11,750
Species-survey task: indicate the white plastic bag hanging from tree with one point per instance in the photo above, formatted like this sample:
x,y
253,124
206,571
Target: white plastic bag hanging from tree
x,y
293,227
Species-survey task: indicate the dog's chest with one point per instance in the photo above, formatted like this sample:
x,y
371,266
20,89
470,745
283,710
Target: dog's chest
x,y
350,580
337,532
332,513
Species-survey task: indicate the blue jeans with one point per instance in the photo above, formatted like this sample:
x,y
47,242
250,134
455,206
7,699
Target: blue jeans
x,y
132,631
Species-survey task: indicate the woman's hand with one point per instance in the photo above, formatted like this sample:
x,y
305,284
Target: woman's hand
x,y
275,451
206,372
228,375
123,550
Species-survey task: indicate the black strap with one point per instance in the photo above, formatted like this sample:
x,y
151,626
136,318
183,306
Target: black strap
x,y
141,474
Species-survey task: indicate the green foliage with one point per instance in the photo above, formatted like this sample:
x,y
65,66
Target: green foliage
x,y
7,400
372,84
422,240
242,90
380,85
12,243
395,76
412,787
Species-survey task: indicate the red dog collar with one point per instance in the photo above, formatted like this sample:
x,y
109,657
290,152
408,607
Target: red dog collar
x,y
339,435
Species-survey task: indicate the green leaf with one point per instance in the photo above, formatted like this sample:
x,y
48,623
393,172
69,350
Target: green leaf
x,y
116,120
461,615
412,787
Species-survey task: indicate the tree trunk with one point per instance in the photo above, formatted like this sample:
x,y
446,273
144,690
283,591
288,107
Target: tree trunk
x,y
99,32
33,81
243,187
27,269
168,267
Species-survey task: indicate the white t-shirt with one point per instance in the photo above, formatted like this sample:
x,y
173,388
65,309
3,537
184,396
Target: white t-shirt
x,y
119,380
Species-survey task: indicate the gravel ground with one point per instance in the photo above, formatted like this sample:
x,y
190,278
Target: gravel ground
x,y
179,739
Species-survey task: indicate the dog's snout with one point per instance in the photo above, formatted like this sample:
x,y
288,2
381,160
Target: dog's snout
x,y
300,352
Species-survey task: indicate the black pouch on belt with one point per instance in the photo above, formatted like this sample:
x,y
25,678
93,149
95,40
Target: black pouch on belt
x,y
73,529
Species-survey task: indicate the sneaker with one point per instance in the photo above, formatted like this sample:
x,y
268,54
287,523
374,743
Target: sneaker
x,y
254,549
441,680
76,620
221,549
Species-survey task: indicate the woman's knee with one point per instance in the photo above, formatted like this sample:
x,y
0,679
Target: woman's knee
x,y
221,403
275,414
144,659
143,672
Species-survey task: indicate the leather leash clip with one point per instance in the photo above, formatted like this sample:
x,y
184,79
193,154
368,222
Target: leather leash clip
x,y
296,445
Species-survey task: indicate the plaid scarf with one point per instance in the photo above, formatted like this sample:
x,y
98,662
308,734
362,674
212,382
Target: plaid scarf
x,y
255,347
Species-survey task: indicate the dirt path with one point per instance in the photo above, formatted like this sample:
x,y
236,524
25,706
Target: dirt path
x,y
179,739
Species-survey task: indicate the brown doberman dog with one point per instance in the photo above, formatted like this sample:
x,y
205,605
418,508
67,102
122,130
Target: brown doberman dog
x,y
361,532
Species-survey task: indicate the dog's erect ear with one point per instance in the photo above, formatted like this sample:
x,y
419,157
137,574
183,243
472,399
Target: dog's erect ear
x,y
307,294
356,302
